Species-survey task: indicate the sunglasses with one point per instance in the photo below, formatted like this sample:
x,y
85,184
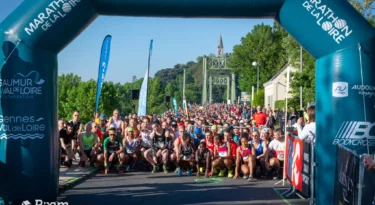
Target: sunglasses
x,y
112,134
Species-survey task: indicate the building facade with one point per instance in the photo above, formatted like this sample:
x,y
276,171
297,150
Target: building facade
x,y
275,88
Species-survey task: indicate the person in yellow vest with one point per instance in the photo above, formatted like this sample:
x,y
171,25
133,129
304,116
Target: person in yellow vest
x,y
88,144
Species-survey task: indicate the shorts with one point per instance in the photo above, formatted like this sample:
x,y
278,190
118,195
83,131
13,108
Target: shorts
x,y
63,151
87,152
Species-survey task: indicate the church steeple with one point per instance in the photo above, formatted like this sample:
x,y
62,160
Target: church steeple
x,y
220,47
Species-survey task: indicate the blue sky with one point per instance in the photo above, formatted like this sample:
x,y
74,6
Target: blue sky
x,y
176,40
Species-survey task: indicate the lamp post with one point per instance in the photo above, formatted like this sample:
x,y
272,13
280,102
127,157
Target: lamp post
x,y
255,64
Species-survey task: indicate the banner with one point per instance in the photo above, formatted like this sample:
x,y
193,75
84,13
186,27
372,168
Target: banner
x,y
103,65
346,177
185,108
142,105
294,161
306,172
175,107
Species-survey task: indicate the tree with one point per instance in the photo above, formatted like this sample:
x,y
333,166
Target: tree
x,y
365,7
134,78
65,83
155,103
263,45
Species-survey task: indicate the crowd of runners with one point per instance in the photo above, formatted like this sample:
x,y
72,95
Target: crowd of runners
x,y
215,139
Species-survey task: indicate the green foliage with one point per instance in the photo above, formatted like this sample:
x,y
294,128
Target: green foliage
x,y
280,104
259,98
263,45
365,7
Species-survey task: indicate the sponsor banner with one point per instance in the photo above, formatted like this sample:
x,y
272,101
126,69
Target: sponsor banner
x,y
294,161
355,133
346,177
175,107
103,65
142,104
306,172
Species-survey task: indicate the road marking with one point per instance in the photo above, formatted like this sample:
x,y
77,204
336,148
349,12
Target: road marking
x,y
285,200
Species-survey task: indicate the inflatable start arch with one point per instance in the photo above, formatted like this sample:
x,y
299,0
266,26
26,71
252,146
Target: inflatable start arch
x,y
337,35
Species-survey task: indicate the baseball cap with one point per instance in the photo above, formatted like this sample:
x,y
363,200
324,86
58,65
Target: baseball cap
x,y
197,131
102,116
213,127
130,129
112,126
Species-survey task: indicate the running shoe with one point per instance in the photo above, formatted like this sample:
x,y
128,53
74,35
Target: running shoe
x,y
245,176
201,170
177,170
155,168
189,173
216,171
127,168
230,173
221,174
180,173
165,169
251,178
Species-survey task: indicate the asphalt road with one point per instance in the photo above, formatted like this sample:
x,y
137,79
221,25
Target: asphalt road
x,y
153,189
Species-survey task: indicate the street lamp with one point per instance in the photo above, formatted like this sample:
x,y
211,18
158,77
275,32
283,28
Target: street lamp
x,y
255,64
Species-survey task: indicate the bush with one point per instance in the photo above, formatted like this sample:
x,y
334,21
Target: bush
x,y
280,104
259,98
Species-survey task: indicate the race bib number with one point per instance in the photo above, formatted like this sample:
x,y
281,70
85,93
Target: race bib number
x,y
186,157
129,151
245,158
223,154
86,147
280,155
160,144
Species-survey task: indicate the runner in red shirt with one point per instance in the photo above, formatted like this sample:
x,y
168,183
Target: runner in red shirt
x,y
260,117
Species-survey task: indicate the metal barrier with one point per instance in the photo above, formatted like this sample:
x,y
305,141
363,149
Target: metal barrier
x,y
300,155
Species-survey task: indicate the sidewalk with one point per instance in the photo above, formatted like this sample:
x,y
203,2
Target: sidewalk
x,y
70,177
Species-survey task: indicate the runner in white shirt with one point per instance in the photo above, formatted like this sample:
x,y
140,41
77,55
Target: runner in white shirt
x,y
276,152
116,119
308,131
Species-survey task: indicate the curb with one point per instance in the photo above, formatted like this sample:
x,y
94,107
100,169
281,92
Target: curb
x,y
73,182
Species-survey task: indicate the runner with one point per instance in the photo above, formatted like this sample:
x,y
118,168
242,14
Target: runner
x,y
77,129
185,158
277,148
203,159
146,140
132,148
245,156
222,156
161,143
116,119
88,143
66,140
260,147
113,151
209,142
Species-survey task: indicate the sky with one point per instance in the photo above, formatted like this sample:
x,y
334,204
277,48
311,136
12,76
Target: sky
x,y
176,41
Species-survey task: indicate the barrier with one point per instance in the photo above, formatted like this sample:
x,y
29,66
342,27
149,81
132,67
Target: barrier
x,y
298,165
354,183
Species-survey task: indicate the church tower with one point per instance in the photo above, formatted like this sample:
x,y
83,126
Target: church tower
x,y
220,47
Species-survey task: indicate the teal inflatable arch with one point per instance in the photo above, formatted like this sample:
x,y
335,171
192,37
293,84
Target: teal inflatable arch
x,y
340,39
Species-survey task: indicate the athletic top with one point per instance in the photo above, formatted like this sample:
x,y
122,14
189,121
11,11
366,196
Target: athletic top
x,y
114,146
223,150
161,141
210,147
245,152
259,150
186,151
146,140
88,141
131,145
117,122
202,156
